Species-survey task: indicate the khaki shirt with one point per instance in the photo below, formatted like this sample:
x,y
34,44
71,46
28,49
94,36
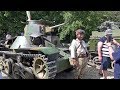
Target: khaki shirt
x,y
81,50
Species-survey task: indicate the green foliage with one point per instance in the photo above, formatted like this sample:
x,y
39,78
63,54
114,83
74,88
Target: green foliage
x,y
12,21
86,20
15,21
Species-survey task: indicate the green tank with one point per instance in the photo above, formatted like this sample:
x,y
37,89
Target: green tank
x,y
96,35
36,54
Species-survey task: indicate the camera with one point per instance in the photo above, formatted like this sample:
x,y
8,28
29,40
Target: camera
x,y
109,39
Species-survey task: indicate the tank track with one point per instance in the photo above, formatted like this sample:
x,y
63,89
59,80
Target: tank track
x,y
51,65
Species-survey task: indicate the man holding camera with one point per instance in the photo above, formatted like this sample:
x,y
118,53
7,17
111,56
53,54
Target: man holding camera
x,y
103,51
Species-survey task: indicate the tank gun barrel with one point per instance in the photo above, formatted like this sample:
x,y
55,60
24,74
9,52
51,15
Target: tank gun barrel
x,y
28,15
51,29
56,26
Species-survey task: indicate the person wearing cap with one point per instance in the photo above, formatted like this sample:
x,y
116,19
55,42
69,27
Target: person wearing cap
x,y
115,55
8,37
103,51
78,50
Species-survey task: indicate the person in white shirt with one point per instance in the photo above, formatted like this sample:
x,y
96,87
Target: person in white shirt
x,y
79,54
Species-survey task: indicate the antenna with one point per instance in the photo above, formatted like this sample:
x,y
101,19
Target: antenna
x,y
28,15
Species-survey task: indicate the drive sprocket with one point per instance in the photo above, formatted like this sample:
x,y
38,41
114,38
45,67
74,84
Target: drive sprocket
x,y
44,69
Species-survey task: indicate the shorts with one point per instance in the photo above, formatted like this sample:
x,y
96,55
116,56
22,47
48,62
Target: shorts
x,y
105,63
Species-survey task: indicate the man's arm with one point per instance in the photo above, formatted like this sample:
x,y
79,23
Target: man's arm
x,y
99,50
73,53
72,49
110,50
116,43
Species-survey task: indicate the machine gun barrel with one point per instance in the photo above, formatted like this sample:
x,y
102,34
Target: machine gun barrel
x,y
51,29
56,26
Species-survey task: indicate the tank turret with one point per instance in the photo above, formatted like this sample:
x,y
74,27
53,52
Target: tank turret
x,y
108,24
37,27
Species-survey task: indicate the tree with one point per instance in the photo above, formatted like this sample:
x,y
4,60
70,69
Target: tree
x,y
87,20
12,21
15,21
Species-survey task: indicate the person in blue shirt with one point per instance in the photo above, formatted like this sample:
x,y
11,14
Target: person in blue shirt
x,y
0,75
115,55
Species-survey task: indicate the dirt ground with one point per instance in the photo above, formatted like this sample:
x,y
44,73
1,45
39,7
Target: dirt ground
x,y
90,73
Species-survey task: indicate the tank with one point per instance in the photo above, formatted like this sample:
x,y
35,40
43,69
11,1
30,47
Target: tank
x,y
96,35
34,55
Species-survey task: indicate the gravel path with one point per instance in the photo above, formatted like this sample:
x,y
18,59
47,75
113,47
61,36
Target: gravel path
x,y
90,73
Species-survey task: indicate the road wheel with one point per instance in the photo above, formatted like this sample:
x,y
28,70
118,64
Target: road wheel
x,y
8,66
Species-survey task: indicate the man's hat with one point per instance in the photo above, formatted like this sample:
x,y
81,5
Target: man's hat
x,y
108,31
80,31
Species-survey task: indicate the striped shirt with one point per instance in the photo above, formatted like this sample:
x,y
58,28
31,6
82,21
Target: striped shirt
x,y
105,49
